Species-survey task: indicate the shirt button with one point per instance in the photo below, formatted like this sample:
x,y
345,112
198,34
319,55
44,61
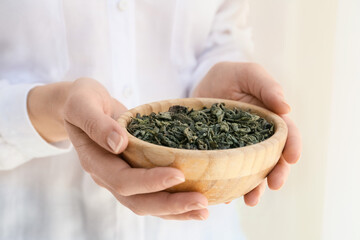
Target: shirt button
x,y
122,5
127,92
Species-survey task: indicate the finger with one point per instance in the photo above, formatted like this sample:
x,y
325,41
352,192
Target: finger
x,y
293,146
253,197
130,181
90,115
278,175
245,97
200,215
261,85
116,173
98,181
164,203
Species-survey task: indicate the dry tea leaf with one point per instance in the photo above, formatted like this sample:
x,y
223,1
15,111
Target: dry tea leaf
x,y
212,128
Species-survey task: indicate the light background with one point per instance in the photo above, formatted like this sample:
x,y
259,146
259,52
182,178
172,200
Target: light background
x,y
312,49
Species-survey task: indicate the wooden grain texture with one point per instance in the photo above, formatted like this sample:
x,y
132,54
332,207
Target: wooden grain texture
x,y
221,175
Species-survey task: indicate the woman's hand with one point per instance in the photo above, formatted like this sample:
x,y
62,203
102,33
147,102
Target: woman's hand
x,y
87,113
249,82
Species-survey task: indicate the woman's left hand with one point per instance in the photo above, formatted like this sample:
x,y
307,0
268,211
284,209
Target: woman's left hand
x,y
249,82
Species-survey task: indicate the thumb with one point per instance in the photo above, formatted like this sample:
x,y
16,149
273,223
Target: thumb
x,y
99,126
273,99
262,86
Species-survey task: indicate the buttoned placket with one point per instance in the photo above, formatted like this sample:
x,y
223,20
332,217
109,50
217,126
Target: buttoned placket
x,y
122,40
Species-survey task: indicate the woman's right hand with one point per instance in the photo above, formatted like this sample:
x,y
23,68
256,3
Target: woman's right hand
x,y
89,115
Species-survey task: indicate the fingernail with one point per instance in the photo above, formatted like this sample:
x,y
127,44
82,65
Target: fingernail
x,y
228,202
173,181
287,105
253,202
114,141
195,206
197,217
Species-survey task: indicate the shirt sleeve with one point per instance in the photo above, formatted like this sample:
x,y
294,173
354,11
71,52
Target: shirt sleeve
x,y
229,40
19,141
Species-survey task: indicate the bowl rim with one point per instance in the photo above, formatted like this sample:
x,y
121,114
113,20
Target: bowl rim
x,y
280,125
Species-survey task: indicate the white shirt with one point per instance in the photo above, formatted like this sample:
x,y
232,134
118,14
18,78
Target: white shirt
x,y
142,51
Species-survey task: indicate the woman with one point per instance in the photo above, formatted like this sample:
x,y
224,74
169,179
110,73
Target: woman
x,y
137,52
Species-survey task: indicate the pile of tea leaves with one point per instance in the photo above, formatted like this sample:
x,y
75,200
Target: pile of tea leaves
x,y
212,128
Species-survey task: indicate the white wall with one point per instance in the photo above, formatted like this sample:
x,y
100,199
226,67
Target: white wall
x,y
342,196
295,41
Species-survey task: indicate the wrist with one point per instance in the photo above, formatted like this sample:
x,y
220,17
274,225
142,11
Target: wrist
x,y
45,106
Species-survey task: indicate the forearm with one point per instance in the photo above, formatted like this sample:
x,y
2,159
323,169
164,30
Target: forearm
x,y
45,106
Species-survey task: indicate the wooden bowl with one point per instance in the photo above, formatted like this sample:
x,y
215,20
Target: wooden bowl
x,y
221,175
